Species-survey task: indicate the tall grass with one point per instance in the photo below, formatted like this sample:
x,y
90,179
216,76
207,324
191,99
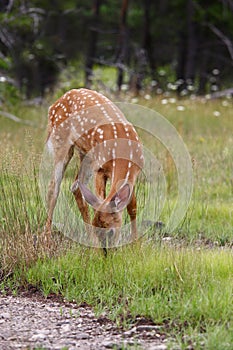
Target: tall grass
x,y
183,282
22,212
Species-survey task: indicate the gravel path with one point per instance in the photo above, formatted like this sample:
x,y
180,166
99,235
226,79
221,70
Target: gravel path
x,y
37,323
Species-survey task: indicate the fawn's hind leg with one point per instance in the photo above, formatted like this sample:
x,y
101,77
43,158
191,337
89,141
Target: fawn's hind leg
x,y
61,160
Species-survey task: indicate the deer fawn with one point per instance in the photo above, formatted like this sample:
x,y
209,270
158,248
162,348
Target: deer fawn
x,y
108,146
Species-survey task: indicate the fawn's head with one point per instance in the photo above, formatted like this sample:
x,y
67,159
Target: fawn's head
x,y
108,212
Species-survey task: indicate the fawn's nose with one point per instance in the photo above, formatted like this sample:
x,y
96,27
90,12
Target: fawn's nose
x,y
107,238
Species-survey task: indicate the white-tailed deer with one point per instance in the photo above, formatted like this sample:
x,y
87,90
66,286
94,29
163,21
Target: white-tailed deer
x,y
108,146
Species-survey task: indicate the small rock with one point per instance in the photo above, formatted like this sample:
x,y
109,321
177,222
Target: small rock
x,y
118,345
130,332
43,331
62,345
5,315
148,328
39,336
61,323
65,328
82,336
108,344
12,338
157,347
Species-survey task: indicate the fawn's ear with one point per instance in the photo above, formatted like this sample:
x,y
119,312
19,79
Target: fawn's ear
x,y
89,197
121,198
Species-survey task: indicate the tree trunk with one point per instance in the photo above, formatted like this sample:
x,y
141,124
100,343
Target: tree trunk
x,y
123,44
92,44
190,66
146,40
186,67
144,55
203,76
180,71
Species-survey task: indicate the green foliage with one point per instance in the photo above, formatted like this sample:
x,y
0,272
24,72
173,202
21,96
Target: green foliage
x,y
42,37
9,94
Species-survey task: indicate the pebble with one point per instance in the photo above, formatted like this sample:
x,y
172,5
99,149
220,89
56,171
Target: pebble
x,y
148,328
29,323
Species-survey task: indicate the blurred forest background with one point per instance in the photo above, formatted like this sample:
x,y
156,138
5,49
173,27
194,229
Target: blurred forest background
x,y
185,46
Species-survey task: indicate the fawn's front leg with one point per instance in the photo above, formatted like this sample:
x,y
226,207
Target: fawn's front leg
x,y
132,211
92,238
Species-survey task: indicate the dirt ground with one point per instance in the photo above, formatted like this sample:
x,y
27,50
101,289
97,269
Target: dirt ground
x,y
30,321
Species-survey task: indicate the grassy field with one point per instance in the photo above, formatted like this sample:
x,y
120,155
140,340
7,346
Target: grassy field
x,y
182,281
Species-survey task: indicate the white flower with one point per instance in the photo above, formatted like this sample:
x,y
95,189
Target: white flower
x,y
214,87
3,79
154,83
225,103
215,71
191,87
180,108
216,113
171,86
184,92
124,87
162,72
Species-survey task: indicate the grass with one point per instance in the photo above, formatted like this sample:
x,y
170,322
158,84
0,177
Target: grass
x,y
183,282
187,291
